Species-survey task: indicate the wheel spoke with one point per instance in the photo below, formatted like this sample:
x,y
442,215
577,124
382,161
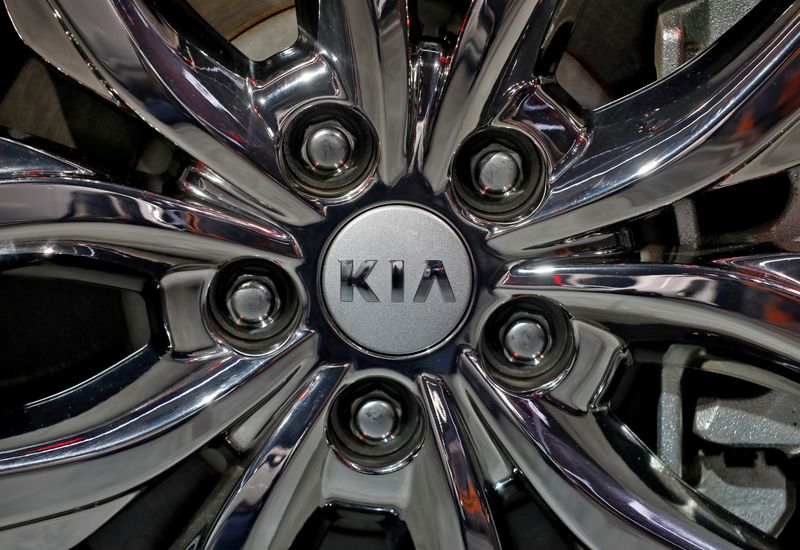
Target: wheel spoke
x,y
153,412
138,417
204,104
284,472
79,217
44,33
681,134
587,465
367,44
21,160
227,110
422,494
427,75
500,44
174,245
439,494
466,485
750,301
64,531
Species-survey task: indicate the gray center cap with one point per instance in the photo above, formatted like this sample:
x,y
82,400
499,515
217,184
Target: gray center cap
x,y
397,280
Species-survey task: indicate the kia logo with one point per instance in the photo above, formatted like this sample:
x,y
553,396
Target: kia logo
x,y
357,279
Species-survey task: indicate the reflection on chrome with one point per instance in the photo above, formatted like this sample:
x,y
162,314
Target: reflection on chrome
x,y
83,453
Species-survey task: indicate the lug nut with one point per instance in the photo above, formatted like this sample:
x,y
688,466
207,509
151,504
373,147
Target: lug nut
x,y
376,420
251,301
327,148
525,340
375,424
253,304
497,172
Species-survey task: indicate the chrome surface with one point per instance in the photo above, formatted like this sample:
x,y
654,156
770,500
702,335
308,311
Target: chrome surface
x,y
676,136
251,302
241,521
327,148
183,394
497,172
48,39
375,419
467,487
525,340
394,278
65,531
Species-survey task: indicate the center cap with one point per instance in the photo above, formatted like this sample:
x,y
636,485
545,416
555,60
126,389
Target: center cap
x,y
397,280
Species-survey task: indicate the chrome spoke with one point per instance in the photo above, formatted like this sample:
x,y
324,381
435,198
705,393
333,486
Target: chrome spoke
x,y
497,53
78,217
138,417
36,24
21,160
466,485
173,406
427,75
271,486
587,464
367,44
180,90
751,301
422,494
68,530
679,135
439,495
433,517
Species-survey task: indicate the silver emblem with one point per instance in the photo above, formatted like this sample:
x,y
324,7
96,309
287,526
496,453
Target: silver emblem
x,y
434,271
396,280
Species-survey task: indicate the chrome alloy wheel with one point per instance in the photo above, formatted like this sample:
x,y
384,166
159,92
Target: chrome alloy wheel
x,y
397,276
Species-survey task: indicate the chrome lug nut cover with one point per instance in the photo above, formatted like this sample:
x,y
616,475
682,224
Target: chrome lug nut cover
x,y
328,148
528,342
254,304
251,302
497,172
375,424
376,419
525,340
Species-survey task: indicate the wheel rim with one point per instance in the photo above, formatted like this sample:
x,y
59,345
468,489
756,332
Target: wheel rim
x,y
601,169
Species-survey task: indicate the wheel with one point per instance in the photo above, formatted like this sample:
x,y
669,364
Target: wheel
x,y
400,274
